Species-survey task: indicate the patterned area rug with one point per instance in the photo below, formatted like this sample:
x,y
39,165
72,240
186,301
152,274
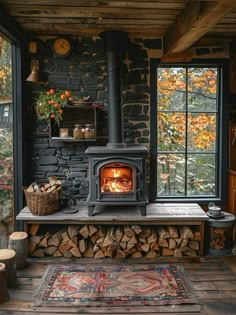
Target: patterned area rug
x,y
117,285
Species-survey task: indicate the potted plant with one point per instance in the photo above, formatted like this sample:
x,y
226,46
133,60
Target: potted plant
x,y
50,103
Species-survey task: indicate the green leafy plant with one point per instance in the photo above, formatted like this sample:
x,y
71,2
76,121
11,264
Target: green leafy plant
x,y
50,103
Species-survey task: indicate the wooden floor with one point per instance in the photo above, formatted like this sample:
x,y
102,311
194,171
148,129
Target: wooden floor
x,y
213,281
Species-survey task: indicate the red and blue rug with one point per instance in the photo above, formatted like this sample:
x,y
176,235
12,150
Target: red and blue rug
x,y
114,285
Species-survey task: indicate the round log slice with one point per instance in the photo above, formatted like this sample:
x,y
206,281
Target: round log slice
x,y
8,257
4,296
18,241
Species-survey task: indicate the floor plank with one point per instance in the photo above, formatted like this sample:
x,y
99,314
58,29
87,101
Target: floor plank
x,y
213,281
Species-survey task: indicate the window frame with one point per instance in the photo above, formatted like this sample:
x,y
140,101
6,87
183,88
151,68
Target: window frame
x,y
13,34
222,130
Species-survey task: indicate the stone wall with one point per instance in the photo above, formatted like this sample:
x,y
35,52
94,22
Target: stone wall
x,y
85,73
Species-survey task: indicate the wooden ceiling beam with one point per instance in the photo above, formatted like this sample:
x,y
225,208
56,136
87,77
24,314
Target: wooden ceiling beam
x,y
195,21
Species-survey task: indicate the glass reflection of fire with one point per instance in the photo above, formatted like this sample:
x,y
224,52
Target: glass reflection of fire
x,y
116,179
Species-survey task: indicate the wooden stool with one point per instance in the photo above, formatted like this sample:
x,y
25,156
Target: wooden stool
x,y
8,257
18,241
4,296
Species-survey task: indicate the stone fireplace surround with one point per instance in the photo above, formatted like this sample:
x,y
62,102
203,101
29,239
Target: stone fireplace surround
x,y
88,66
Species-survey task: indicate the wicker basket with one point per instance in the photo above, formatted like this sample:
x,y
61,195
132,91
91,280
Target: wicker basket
x,y
43,203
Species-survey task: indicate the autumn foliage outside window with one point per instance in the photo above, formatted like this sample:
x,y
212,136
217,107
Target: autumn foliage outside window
x,y
6,145
187,113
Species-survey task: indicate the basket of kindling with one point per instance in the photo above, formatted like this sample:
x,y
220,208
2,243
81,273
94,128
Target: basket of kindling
x,y
43,199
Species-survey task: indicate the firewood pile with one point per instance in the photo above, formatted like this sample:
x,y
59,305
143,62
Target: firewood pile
x,y
100,241
217,238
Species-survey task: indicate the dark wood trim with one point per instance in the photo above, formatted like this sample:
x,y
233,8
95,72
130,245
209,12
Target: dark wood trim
x,y
13,33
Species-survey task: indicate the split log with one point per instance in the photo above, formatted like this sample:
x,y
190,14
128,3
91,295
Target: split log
x,y
108,238
167,252
99,254
136,254
184,243
84,231
92,229
96,248
173,231
194,245
50,250
136,228
55,239
88,253
114,246
177,253
155,246
72,231
94,237
146,232
196,236
130,245
73,242
178,240
75,252
151,254
82,245
153,237
4,296
44,241
145,247
119,254
129,251
119,233
190,252
125,238
100,240
162,232
171,243
57,253
185,231
65,236
108,253
123,245
36,239
18,241
33,229
162,243
32,247
64,247
128,231
38,253
67,254
8,257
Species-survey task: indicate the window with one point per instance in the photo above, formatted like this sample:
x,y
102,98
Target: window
x,y
6,143
187,132
6,111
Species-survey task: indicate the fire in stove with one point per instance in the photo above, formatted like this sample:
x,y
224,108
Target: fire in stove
x,y
116,178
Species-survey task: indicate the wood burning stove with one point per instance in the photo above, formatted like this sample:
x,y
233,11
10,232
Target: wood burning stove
x,y
117,170
117,176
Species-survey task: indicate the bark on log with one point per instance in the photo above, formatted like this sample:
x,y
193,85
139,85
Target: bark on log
x,y
18,241
8,257
4,296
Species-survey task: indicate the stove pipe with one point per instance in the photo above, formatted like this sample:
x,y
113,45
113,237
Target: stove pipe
x,y
115,44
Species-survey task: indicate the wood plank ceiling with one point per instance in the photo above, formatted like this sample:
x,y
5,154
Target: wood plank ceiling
x,y
180,22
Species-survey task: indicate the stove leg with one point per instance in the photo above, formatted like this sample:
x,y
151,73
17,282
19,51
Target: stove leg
x,y
90,210
142,210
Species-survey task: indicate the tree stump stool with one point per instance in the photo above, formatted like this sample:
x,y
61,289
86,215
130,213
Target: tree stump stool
x,y
8,257
4,296
18,241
